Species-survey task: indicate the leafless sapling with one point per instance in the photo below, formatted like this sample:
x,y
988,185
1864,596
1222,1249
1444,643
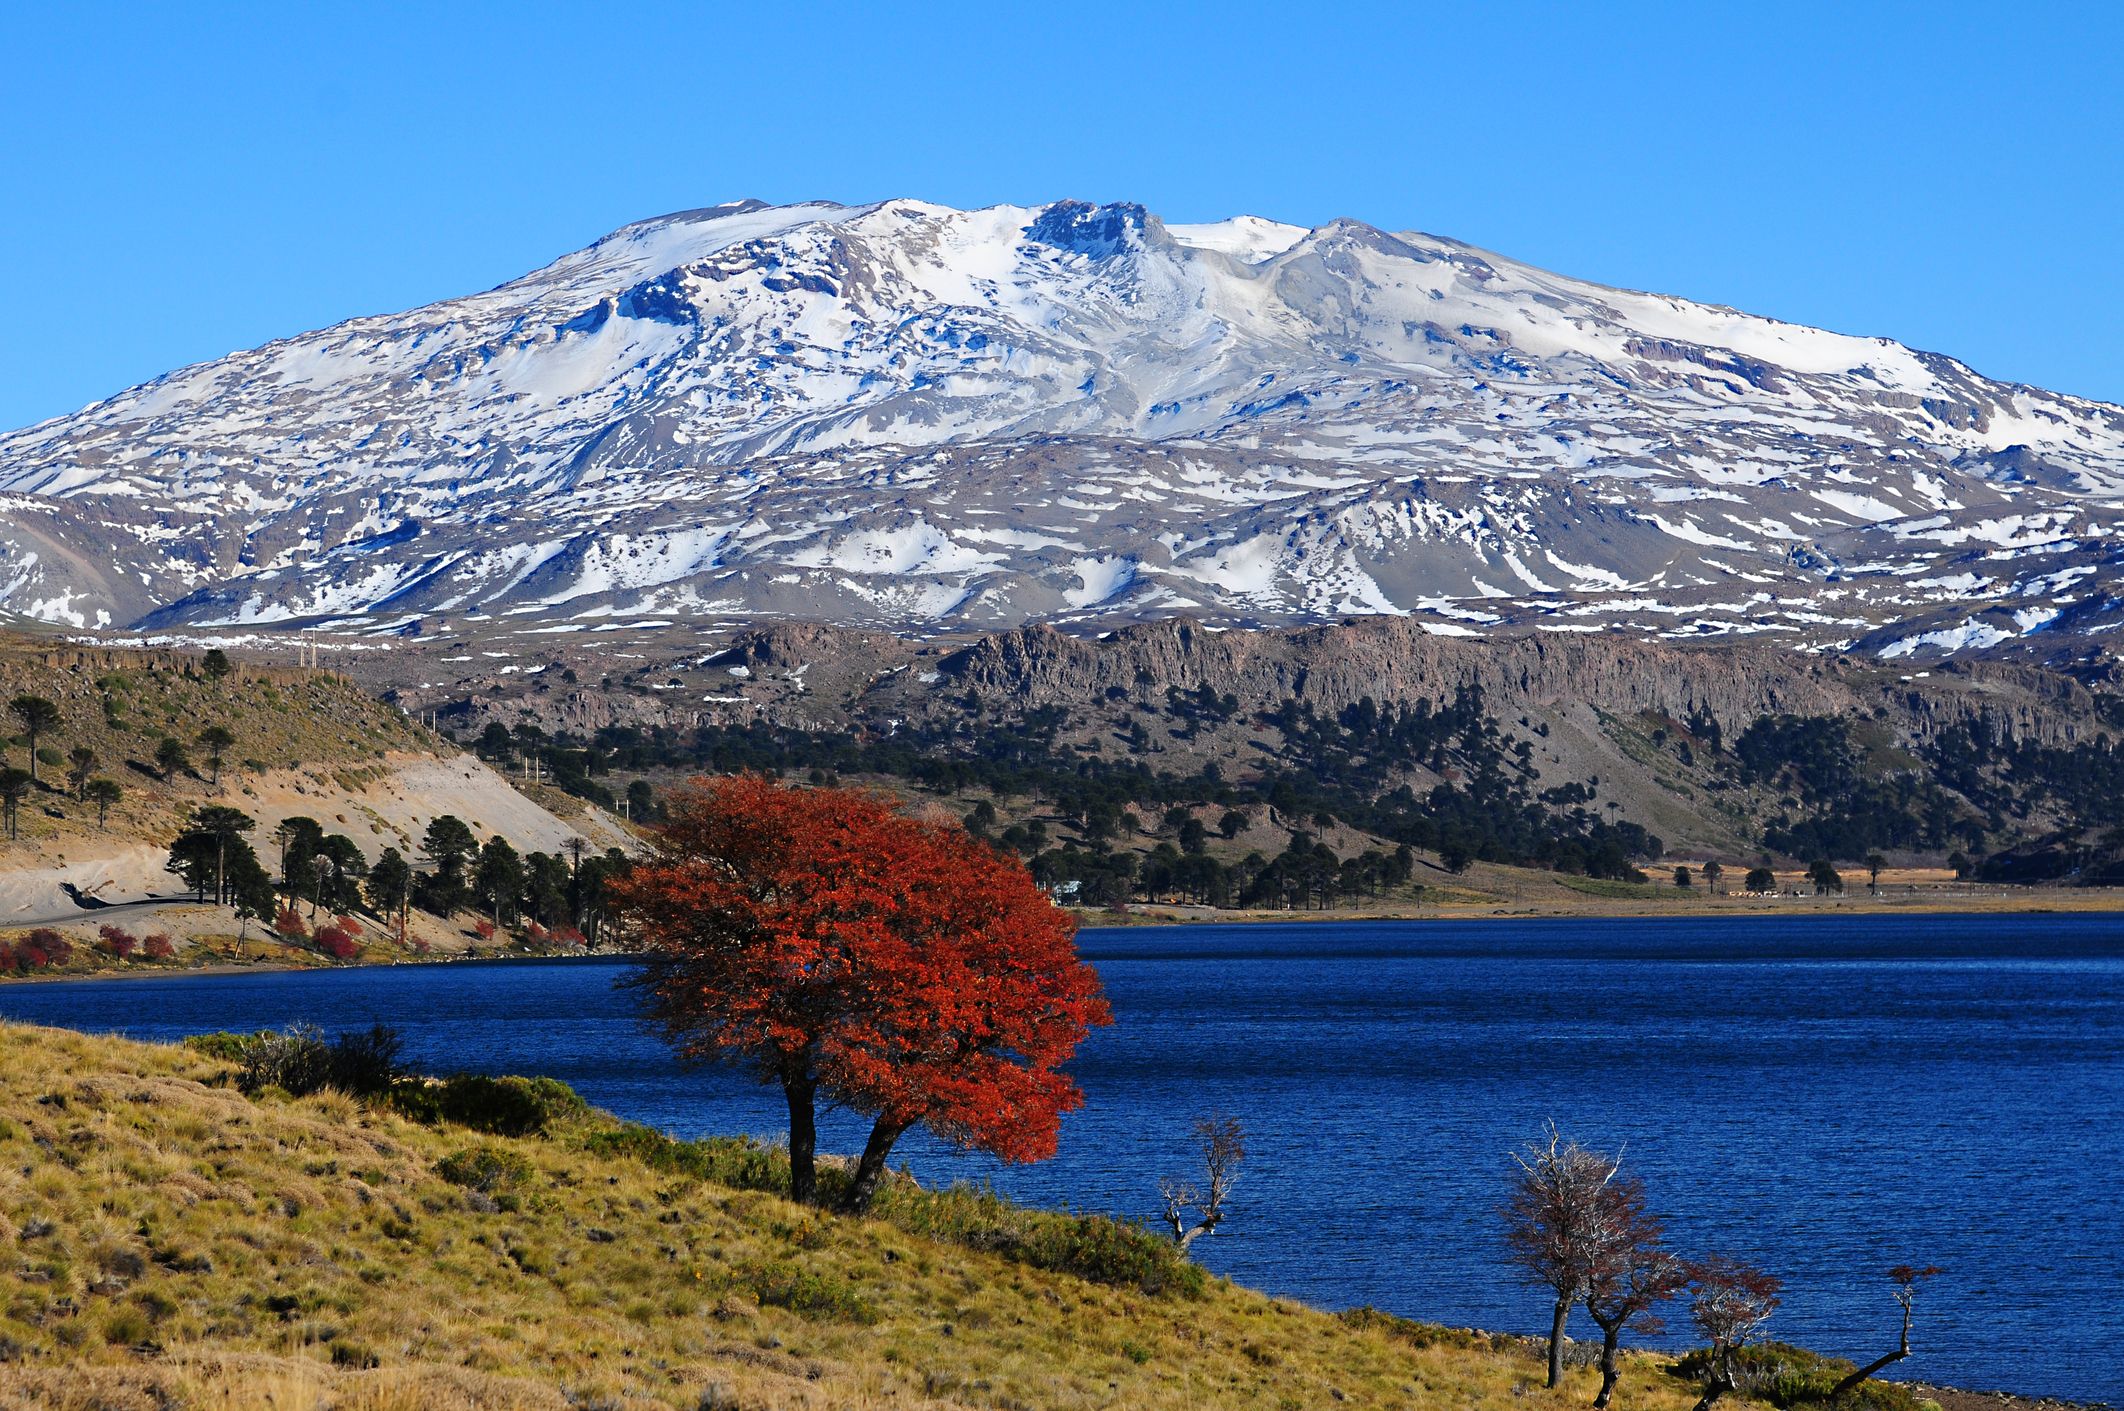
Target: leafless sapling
x,y
1190,1210
1632,1273
1906,1280
1560,1224
1729,1303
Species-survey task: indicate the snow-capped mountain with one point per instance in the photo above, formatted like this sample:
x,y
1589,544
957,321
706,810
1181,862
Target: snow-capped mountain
x,y
907,415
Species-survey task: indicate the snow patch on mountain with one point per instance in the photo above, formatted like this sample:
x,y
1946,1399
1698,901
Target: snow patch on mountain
x,y
910,416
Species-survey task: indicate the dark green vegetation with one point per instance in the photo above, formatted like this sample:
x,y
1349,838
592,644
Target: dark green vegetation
x,y
1445,777
558,900
1487,806
1846,792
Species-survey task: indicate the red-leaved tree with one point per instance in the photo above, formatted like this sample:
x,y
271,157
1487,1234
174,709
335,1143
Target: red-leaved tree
x,y
843,950
116,941
1559,1218
1629,1276
1729,1303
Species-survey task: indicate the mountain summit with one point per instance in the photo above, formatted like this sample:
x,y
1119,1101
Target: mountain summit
x,y
910,416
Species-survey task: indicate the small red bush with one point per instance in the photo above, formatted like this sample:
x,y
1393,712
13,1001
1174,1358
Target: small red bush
x,y
347,924
289,924
568,936
337,943
116,941
158,945
537,932
484,930
57,948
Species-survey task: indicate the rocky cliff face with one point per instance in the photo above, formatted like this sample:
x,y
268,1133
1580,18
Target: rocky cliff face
x,y
1592,710
1395,662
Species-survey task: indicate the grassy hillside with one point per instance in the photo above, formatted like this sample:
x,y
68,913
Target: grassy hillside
x,y
122,704
179,1244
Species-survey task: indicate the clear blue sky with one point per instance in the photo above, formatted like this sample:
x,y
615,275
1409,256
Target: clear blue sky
x,y
184,180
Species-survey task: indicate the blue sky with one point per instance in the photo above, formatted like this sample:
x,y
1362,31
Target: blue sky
x,y
181,181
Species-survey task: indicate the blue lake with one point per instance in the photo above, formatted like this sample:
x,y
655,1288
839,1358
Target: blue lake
x,y
1825,1096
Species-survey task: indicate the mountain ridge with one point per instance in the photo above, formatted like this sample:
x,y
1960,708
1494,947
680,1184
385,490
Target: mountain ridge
x,y
906,416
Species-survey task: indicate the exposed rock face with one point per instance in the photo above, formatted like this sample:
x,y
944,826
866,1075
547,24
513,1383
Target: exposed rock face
x,y
1394,661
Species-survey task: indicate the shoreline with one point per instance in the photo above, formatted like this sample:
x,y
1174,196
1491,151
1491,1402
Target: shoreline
x,y
2103,902
1949,1397
1163,915
1952,1398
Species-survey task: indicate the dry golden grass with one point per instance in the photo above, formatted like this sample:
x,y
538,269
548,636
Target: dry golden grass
x,y
171,1243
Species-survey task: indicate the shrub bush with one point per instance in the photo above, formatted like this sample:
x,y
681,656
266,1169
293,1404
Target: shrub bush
x,y
36,950
737,1162
221,1044
486,1169
116,941
300,1062
808,1293
1104,1250
289,925
365,1063
506,1107
297,1062
335,942
1787,1376
158,945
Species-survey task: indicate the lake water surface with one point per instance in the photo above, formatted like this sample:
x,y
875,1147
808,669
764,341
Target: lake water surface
x,y
1826,1096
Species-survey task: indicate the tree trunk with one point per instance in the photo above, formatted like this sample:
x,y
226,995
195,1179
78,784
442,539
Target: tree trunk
x,y
1902,1350
1556,1340
1719,1383
803,1138
1186,1238
1610,1341
883,1133
1866,1371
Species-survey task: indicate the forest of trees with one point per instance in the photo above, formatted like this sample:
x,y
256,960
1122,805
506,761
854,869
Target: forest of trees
x,y
1326,770
561,898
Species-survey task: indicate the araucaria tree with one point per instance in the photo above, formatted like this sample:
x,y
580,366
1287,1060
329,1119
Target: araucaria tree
x,y
1193,1211
215,740
900,968
103,793
14,787
1729,1303
1560,1225
37,716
